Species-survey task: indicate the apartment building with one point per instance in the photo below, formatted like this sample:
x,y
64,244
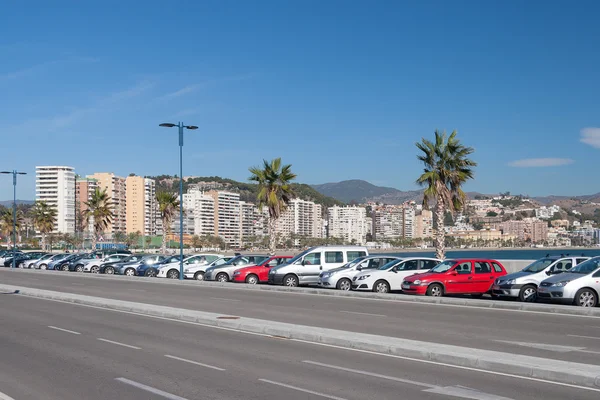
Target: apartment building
x,y
55,185
350,223
84,187
302,218
423,225
202,207
399,221
141,208
115,187
227,216
528,229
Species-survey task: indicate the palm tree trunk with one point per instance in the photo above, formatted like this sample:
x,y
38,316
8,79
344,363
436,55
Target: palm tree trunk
x,y
94,240
440,245
43,241
164,237
272,237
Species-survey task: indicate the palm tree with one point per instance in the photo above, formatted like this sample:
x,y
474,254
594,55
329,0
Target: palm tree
x,y
274,192
447,168
6,224
44,218
168,205
98,213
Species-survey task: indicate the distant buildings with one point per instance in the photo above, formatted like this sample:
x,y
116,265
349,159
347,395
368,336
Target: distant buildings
x,y
528,229
401,221
141,208
546,212
302,218
84,187
349,223
55,185
115,188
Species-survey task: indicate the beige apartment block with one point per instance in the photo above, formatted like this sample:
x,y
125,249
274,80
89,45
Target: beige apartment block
x,y
141,207
84,187
115,188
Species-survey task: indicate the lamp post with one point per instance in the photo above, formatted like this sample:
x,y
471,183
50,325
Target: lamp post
x,y
181,127
14,174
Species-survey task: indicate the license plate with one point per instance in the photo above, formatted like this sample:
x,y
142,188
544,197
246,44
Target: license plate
x,y
405,286
495,287
542,289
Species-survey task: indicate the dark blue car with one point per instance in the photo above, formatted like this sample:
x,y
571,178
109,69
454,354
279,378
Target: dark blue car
x,y
150,270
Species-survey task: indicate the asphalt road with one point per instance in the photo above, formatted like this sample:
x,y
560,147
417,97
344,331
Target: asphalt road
x,y
569,338
53,350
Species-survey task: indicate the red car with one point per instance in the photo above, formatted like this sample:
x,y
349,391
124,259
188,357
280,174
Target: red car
x,y
467,276
258,273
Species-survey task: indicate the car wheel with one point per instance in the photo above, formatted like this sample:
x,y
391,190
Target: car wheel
x,y
528,293
150,273
199,276
79,268
43,266
65,267
173,274
252,279
95,269
586,298
291,280
109,270
129,272
22,265
344,284
435,290
222,277
381,287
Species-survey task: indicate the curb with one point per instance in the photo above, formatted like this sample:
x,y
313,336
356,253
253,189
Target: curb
x,y
453,301
526,366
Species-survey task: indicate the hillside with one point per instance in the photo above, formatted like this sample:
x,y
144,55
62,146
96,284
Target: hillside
x,y
247,191
359,191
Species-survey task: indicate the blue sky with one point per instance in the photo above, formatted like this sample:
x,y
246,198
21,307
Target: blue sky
x,y
339,89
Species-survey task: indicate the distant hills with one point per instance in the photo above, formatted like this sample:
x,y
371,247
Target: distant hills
x,y
358,191
8,203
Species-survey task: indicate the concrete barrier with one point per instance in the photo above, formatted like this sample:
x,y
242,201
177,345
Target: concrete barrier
x,y
515,265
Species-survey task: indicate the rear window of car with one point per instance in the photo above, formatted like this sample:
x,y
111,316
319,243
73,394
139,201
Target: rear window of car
x,y
497,267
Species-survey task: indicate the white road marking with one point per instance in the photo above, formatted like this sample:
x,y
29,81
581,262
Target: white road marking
x,y
465,393
442,364
119,344
63,330
77,284
585,337
361,372
194,362
543,346
224,299
589,351
5,397
138,290
158,392
363,313
327,396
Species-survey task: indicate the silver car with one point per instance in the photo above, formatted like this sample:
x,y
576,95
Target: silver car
x,y
579,286
341,278
223,273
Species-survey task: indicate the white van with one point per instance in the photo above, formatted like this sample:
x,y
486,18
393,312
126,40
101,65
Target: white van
x,y
304,269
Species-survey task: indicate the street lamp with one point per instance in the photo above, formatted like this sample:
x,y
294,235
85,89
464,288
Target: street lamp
x,y
14,174
181,126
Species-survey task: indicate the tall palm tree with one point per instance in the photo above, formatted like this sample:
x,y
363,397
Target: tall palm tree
x,y
98,212
274,192
446,168
6,224
44,218
168,205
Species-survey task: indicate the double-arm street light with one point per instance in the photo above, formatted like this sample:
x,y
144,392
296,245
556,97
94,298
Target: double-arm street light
x,y
181,127
14,174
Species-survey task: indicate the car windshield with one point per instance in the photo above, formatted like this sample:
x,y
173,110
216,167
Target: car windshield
x,y
586,267
220,261
539,265
389,265
353,263
130,258
298,257
443,266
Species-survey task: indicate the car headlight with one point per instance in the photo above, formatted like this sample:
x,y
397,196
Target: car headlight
x,y
510,282
561,283
362,278
237,273
416,282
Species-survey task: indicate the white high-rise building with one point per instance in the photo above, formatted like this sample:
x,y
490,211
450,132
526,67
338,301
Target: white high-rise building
x,y
227,216
349,223
55,185
302,218
203,208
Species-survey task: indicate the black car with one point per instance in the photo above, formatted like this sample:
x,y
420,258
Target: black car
x,y
110,268
34,255
63,265
9,258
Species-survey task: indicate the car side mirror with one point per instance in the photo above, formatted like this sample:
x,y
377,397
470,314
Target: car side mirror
x,y
549,272
454,273
359,268
394,270
303,262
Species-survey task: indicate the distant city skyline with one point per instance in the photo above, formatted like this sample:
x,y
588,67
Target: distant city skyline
x,y
340,90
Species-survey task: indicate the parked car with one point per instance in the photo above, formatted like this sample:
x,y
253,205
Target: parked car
x,y
523,285
196,271
224,273
93,266
258,273
63,265
22,258
341,278
52,264
304,268
109,268
27,264
389,277
130,269
579,286
151,270
76,264
44,262
171,270
463,276
9,254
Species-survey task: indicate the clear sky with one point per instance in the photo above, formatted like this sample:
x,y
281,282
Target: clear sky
x,y
339,89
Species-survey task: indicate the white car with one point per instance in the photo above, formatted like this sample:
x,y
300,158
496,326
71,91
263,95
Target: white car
x,y
579,286
31,263
93,266
523,285
390,276
196,271
341,278
171,270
